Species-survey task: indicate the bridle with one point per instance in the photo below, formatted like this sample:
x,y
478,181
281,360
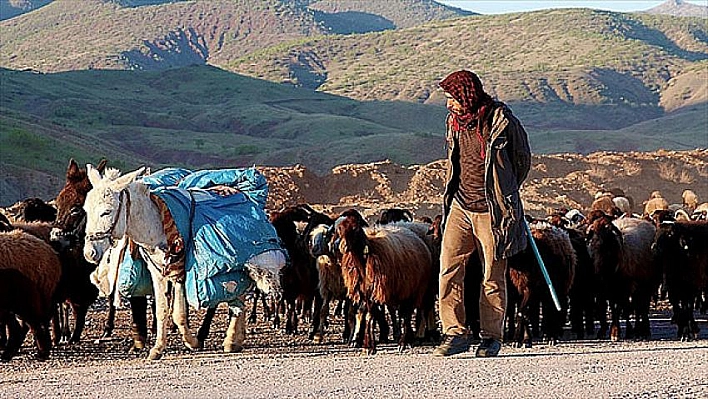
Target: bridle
x,y
108,234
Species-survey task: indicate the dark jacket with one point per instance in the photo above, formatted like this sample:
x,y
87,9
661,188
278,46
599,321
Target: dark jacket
x,y
507,163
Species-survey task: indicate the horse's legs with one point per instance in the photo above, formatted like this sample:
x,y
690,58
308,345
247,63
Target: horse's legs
x,y
159,284
236,333
138,310
203,332
79,311
109,325
179,315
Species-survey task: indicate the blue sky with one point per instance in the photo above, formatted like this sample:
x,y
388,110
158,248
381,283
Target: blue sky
x,y
500,7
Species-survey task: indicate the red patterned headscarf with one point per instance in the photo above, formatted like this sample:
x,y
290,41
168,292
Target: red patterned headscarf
x,y
465,87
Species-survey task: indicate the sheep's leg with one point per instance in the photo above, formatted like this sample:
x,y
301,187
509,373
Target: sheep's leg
x,y
347,310
3,334
203,332
523,334
315,319
268,308
179,316
369,343
380,316
15,336
291,319
642,327
357,340
615,309
276,313
340,309
56,324
406,337
324,314
253,317
41,339
236,333
65,323
395,314
601,312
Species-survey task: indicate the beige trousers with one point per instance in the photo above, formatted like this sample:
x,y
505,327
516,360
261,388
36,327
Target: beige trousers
x,y
466,232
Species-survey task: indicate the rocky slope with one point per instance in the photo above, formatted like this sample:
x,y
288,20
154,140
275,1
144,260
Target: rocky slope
x,y
569,180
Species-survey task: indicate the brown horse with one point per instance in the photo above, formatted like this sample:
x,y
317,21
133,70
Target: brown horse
x,y
67,234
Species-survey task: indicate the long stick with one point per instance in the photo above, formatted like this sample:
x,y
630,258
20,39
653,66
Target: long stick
x,y
543,267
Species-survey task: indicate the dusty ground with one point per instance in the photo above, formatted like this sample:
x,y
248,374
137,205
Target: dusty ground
x,y
275,365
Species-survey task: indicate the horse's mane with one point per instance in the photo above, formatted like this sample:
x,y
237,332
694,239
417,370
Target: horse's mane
x,y
111,173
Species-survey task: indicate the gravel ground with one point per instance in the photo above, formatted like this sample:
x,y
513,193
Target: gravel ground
x,y
274,365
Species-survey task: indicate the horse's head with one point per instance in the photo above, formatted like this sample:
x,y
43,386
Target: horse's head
x,y
70,222
106,208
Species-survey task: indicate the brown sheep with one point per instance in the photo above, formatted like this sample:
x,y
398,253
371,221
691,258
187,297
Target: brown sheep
x,y
385,266
559,257
29,275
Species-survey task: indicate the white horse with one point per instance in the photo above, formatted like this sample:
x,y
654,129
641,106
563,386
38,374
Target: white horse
x,y
120,206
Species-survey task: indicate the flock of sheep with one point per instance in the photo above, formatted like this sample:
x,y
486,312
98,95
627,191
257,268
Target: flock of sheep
x,y
384,274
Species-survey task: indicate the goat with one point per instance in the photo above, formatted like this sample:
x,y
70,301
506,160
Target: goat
x,y
75,289
299,278
385,266
35,210
30,272
624,263
426,325
391,215
558,254
681,251
583,292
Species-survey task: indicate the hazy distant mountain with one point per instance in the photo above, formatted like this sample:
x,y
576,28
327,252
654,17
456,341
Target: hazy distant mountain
x,y
680,8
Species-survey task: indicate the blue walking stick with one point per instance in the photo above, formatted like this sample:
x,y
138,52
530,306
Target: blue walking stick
x,y
543,266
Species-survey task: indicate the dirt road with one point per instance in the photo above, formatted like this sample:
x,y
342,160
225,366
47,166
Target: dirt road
x,y
277,366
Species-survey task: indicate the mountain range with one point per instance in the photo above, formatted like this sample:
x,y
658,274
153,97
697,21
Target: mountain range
x,y
216,83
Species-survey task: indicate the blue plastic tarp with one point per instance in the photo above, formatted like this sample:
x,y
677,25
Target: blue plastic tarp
x,y
221,233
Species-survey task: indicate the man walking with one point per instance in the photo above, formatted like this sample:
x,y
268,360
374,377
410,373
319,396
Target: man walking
x,y
488,159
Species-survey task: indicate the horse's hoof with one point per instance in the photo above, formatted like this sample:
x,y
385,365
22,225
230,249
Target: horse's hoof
x,y
194,345
155,354
317,338
233,348
138,344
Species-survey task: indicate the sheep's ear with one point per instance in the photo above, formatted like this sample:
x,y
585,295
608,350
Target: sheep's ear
x,y
93,174
123,181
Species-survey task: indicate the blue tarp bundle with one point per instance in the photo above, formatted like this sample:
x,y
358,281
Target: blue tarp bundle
x,y
221,233
133,277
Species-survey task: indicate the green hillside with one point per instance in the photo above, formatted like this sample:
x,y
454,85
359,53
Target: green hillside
x,y
198,117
